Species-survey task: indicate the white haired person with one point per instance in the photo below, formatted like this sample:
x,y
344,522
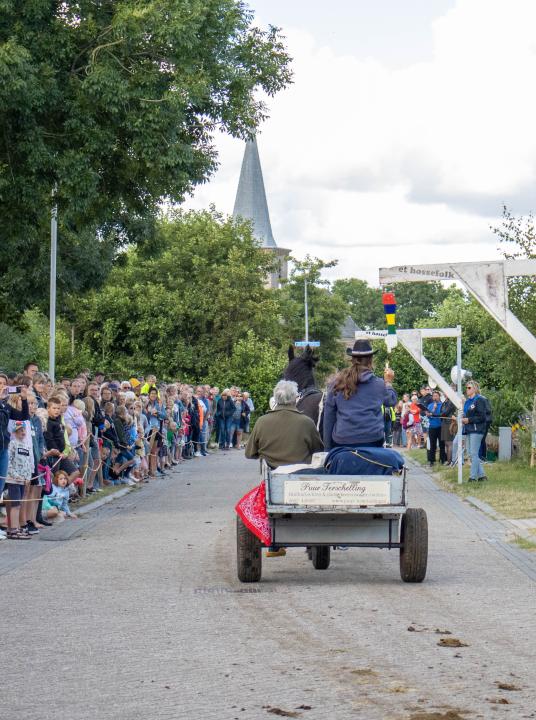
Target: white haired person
x,y
284,435
281,437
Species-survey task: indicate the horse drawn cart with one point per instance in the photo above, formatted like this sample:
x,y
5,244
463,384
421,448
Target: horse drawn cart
x,y
318,511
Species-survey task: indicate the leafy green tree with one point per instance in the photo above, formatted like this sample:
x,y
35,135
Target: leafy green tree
x,y
327,312
113,105
416,301
255,365
520,233
182,311
364,302
408,374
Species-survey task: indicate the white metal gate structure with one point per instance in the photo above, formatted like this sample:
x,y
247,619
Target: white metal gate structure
x,y
486,281
411,340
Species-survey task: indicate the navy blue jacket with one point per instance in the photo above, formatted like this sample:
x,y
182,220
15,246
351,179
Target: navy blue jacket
x,y
358,420
475,411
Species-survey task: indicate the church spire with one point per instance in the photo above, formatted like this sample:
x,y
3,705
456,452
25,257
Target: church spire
x,y
250,202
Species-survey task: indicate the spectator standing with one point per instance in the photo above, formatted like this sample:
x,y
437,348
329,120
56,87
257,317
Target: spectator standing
x,y
482,453
13,406
434,431
249,402
225,412
155,413
236,431
448,414
474,422
19,474
397,425
412,421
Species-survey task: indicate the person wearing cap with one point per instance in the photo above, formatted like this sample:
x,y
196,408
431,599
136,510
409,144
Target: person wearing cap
x,y
355,402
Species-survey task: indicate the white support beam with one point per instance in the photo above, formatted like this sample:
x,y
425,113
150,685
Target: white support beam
x,y
486,281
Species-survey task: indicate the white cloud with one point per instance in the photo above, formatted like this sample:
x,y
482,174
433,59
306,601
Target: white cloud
x,y
376,165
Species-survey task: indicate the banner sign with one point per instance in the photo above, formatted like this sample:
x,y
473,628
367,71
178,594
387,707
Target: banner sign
x,y
315,491
417,272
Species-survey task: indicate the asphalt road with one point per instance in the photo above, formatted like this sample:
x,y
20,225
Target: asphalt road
x,y
136,612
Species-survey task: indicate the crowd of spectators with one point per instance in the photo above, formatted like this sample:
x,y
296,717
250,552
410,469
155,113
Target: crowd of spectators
x,y
62,441
428,419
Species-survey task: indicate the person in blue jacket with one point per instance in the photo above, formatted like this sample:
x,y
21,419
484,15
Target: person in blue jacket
x,y
474,426
355,402
433,411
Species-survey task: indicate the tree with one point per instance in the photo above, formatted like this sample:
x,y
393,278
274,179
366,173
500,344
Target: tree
x,y
255,365
416,301
182,311
327,311
113,105
364,302
521,233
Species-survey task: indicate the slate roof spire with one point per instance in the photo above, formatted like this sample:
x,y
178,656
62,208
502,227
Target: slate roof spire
x,y
250,202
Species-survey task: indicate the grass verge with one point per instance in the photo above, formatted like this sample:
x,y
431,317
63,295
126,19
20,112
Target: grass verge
x,y
524,543
510,488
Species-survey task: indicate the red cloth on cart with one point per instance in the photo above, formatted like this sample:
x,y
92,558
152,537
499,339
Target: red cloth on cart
x,y
252,510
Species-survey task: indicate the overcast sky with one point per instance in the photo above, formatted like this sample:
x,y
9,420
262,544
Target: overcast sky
x,y
408,126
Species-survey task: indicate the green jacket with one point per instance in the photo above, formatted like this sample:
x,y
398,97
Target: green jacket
x,y
284,436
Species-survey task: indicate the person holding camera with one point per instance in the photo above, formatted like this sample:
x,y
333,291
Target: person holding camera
x,y
7,413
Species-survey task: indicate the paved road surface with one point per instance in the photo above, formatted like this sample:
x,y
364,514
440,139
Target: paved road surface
x,y
139,614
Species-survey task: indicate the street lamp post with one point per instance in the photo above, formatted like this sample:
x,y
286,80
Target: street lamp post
x,y
52,320
306,311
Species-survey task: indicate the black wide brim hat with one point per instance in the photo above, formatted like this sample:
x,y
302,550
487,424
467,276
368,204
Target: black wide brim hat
x,y
362,348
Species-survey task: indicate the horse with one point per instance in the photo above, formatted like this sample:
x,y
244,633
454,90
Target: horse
x,y
301,370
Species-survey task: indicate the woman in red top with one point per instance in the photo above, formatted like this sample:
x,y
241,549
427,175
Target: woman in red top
x,y
413,423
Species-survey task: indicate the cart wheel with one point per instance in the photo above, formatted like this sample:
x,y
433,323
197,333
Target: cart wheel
x,y
248,554
320,555
414,545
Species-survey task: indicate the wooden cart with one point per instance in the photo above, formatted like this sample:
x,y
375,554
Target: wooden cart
x,y
319,512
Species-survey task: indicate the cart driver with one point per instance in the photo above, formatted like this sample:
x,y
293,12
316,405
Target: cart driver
x,y
284,435
355,402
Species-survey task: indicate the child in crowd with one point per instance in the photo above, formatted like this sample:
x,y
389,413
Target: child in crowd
x,y
19,474
140,452
59,497
56,441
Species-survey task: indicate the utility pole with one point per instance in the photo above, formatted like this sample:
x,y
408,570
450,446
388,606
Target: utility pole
x,y
52,320
306,311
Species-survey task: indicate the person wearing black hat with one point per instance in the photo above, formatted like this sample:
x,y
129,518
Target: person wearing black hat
x,y
355,402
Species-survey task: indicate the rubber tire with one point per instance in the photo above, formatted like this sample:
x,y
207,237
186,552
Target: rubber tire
x,y
248,554
321,555
414,545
